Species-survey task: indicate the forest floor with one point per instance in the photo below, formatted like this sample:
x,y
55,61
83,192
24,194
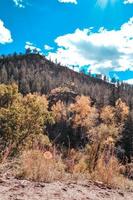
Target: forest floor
x,y
14,189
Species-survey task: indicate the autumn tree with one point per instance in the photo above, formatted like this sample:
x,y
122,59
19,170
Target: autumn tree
x,y
83,115
59,111
8,93
74,121
61,131
23,117
108,132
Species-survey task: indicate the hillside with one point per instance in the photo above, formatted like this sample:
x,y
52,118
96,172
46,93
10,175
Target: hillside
x,y
34,73
63,132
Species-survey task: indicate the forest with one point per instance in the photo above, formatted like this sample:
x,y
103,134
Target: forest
x,y
34,73
54,118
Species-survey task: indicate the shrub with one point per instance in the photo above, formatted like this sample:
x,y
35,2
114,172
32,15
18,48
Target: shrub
x,y
80,167
127,170
39,141
24,116
8,93
107,172
37,165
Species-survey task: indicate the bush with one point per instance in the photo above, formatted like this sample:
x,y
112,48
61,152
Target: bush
x,y
27,124
22,117
107,172
37,165
73,122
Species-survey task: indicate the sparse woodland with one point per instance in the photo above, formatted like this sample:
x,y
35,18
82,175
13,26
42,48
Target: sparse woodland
x,y
59,124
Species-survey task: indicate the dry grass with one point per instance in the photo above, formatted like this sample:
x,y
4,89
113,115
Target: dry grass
x,y
107,171
36,165
109,174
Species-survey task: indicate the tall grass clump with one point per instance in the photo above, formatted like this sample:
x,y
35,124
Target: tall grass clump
x,y
37,165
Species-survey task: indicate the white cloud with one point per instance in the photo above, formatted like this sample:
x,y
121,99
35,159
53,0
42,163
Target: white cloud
x,y
129,81
68,1
19,3
47,47
103,50
5,34
31,46
128,1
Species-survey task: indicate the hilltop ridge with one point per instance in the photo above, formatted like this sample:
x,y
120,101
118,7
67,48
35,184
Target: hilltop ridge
x,y
34,73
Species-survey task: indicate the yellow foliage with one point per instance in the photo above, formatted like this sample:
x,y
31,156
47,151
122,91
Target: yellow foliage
x,y
24,116
59,111
108,115
103,140
22,123
102,132
122,111
84,115
8,93
40,141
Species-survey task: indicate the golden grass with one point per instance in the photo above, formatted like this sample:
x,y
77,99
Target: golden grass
x,y
106,172
109,174
37,165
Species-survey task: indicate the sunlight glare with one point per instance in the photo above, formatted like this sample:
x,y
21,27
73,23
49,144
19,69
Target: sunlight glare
x,y
103,3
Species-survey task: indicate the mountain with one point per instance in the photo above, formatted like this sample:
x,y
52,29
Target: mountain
x,y
34,73
70,125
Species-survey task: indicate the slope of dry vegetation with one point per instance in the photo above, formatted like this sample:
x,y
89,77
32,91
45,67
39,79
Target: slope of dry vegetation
x,y
62,140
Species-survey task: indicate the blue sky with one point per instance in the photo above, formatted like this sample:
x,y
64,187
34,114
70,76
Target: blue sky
x,y
93,33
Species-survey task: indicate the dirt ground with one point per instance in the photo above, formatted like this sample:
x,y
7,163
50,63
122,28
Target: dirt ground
x,y
14,189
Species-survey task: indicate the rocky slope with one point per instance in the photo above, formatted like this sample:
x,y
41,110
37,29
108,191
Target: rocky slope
x,y
14,189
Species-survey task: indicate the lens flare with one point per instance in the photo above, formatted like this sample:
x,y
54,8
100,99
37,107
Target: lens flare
x,y
103,3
